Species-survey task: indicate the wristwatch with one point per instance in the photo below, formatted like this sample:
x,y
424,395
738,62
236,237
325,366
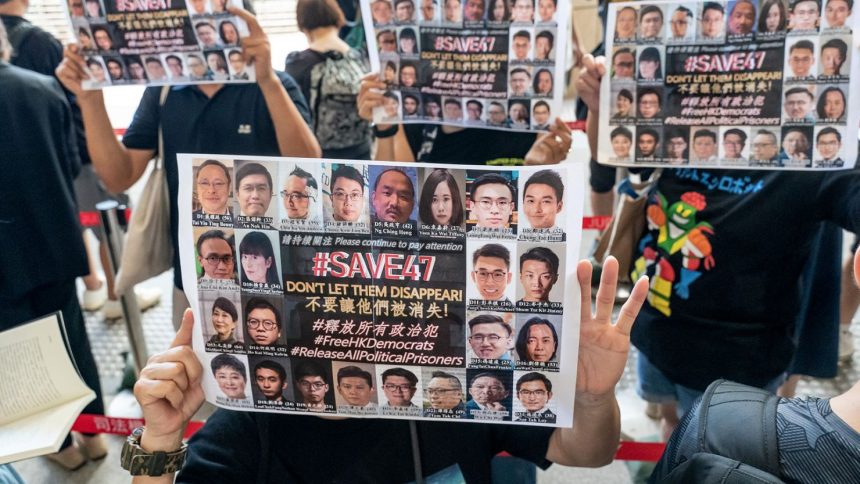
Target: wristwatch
x,y
139,462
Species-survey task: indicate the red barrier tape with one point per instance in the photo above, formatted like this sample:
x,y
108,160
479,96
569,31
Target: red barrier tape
x,y
92,219
99,424
598,222
575,125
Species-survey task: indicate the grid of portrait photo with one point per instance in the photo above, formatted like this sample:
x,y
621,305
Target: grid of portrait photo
x,y
127,43
382,290
735,84
481,63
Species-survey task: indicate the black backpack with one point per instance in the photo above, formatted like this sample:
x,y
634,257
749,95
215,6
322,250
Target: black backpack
x,y
17,35
334,89
730,437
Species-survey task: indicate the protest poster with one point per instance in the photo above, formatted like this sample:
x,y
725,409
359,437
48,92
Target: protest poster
x,y
762,84
378,289
153,42
480,63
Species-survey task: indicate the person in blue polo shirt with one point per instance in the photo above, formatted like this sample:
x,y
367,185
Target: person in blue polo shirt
x,y
269,117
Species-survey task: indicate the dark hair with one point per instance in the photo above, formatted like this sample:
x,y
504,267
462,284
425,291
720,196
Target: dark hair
x,y
621,131
313,14
625,93
203,24
763,12
215,234
401,372
623,50
150,60
705,133
546,177
534,376
537,77
425,210
253,169
390,95
713,6
171,56
260,303
211,163
822,99
768,133
257,243
793,3
523,338
520,69
221,30
546,34
103,28
475,101
492,250
386,31
447,376
410,95
492,179
505,15
229,361
227,306
651,54
523,33
490,319
686,11
738,132
408,32
802,44
308,368
798,90
348,172
650,90
354,371
451,100
540,104
649,131
309,179
850,3
650,9
271,365
232,53
829,130
541,254
839,45
81,30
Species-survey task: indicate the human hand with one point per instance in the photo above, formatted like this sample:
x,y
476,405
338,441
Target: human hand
x,y
588,83
370,96
256,48
169,391
550,147
72,71
603,346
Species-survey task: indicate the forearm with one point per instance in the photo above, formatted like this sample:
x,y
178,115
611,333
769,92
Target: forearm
x,y
295,137
394,148
593,440
592,123
602,203
111,160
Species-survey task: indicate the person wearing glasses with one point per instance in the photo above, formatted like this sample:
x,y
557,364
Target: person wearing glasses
x,y
534,392
491,272
300,188
399,386
393,197
492,199
444,393
263,321
311,380
490,337
682,25
213,188
254,190
224,318
347,194
215,256
488,394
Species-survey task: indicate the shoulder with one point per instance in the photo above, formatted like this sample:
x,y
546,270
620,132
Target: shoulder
x,y
27,81
287,80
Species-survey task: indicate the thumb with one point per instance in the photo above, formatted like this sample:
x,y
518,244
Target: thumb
x,y
183,336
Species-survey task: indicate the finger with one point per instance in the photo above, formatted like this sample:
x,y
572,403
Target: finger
x,y
183,355
183,336
254,28
605,299
631,307
562,126
588,62
583,274
151,391
173,371
368,84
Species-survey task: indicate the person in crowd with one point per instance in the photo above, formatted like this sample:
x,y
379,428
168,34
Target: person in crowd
x,y
488,393
538,274
543,199
258,259
440,202
534,391
271,379
393,197
224,320
399,386
650,22
490,337
837,12
230,375
347,194
804,15
712,22
773,17
741,17
355,386
311,381
537,341
215,256
263,321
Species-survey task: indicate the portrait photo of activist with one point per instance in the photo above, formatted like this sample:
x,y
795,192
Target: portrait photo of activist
x,y
491,337
546,11
231,375
625,24
312,383
773,17
407,41
404,11
198,7
136,72
831,106
621,139
704,146
263,321
300,193
207,34
828,147
490,271
804,15
432,107
622,109
411,104
538,338
543,83
742,14
259,261
650,64
228,33
356,388
520,81
833,58
647,144
518,113
381,12
492,198
798,104
389,72
216,254
521,45
733,147
212,186
408,74
765,148
544,45
676,149
543,199
392,196
217,62
116,70
796,146
398,389
539,269
346,194
650,23
220,308
475,111
84,36
473,10
103,38
623,63
522,11
650,103
254,189
800,59
452,109
441,201
452,11
175,66
386,40
682,25
238,69
540,114
443,392
198,70
712,24
498,11
97,71
489,394
534,398
836,13
270,380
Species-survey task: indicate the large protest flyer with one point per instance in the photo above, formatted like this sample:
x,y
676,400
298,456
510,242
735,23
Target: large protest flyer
x,y
159,41
762,84
372,289
480,63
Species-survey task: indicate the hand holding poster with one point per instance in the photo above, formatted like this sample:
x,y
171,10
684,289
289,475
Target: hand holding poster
x,y
160,41
383,289
479,63
737,84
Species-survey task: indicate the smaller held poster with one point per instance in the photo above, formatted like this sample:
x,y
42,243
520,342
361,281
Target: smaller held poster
x,y
477,63
762,84
370,289
159,41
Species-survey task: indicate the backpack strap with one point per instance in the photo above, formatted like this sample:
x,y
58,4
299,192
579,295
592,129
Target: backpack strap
x,y
739,422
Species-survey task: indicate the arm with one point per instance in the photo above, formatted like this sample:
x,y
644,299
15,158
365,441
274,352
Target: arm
x,y
393,148
117,166
295,137
588,86
603,351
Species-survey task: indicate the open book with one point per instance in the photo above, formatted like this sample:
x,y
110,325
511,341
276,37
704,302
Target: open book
x,y
41,392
